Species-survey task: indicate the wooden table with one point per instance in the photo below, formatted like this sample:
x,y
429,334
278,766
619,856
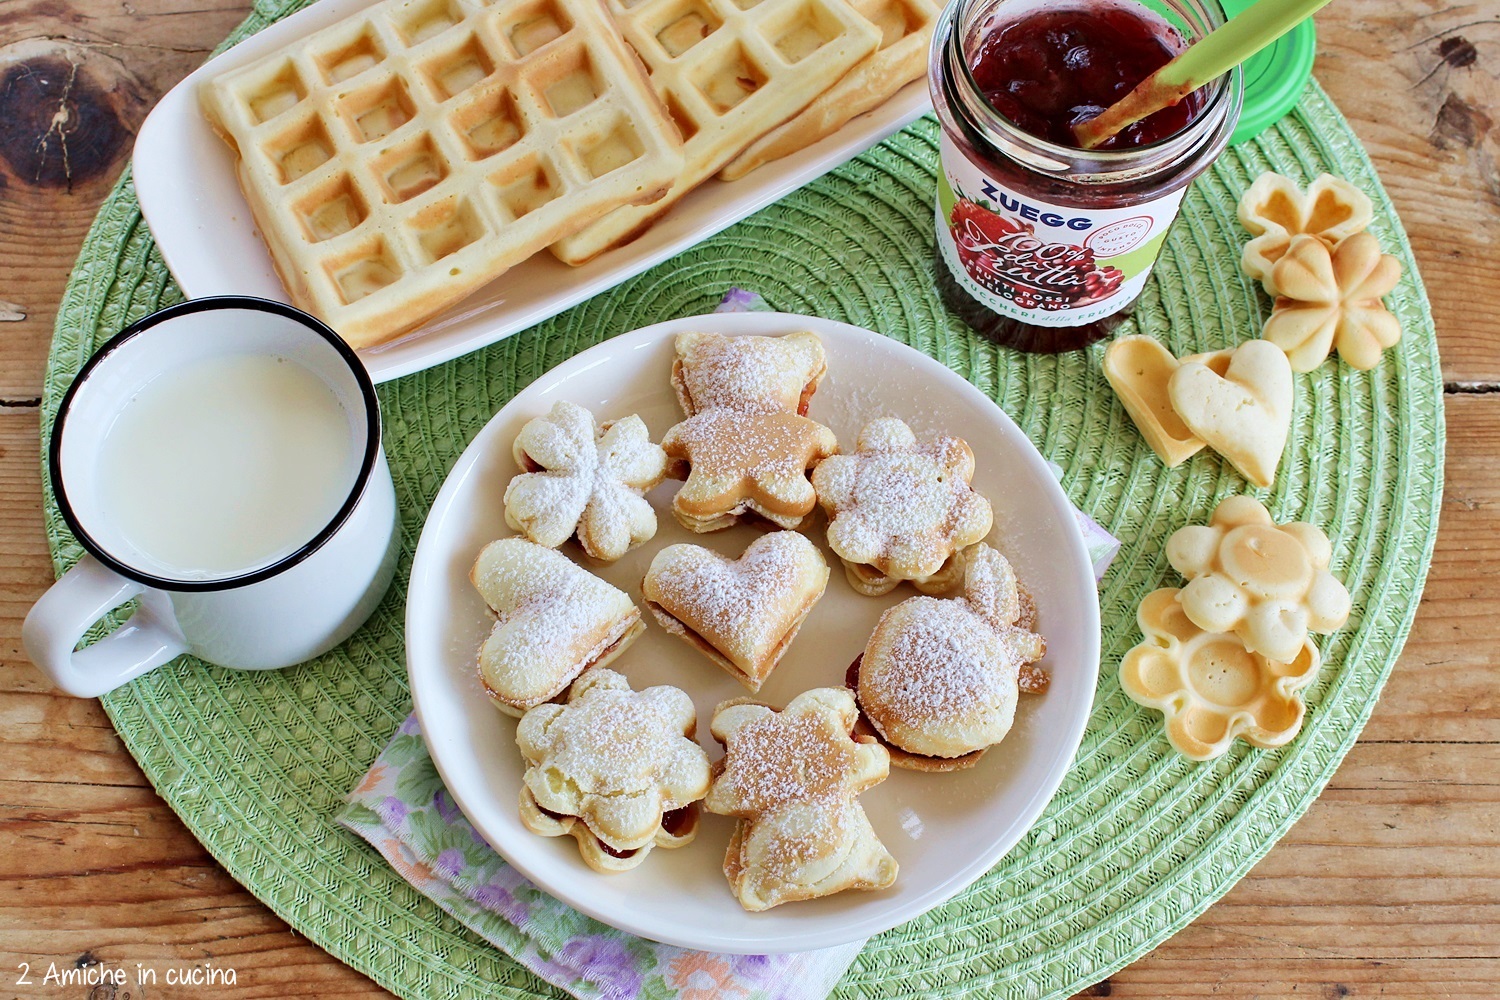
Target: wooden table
x,y
1389,886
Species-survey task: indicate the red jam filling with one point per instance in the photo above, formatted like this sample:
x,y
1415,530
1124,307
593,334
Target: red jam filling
x,y
1055,68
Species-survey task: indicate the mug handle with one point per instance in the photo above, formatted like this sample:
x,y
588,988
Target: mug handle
x,y
71,606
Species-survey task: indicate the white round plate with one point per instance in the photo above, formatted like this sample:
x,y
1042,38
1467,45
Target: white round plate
x,y
945,830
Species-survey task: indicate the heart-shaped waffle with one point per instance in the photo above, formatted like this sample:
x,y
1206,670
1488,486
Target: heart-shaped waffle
x,y
748,374
1139,368
1243,414
617,769
1275,211
584,480
741,613
742,463
899,510
791,778
939,678
555,620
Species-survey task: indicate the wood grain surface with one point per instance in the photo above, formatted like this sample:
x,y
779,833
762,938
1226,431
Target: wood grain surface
x,y
1388,887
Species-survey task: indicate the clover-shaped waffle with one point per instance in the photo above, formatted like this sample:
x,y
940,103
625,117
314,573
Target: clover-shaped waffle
x,y
939,678
748,374
585,480
1267,583
741,462
899,510
791,778
1209,687
618,769
1274,210
1332,300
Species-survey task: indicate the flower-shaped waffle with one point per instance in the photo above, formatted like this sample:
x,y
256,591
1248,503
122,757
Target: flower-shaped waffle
x,y
1267,583
899,510
1332,300
585,480
939,679
741,613
748,374
555,620
617,769
1274,210
746,462
1210,688
791,778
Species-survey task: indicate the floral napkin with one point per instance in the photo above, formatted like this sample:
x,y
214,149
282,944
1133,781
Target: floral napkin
x,y
402,808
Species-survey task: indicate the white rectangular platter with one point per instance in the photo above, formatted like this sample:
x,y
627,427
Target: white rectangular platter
x,y
185,180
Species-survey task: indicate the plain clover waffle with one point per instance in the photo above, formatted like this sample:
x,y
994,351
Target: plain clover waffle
x,y
405,156
905,28
728,71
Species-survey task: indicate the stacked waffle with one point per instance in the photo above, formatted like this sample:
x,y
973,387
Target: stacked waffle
x,y
401,158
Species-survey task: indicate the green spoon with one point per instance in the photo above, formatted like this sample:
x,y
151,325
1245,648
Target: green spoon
x,y
1213,55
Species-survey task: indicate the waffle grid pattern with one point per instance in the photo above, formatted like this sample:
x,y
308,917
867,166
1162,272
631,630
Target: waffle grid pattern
x,y
905,28
1138,840
728,71
542,122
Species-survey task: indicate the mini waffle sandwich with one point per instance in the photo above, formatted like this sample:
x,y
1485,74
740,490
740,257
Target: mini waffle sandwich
x,y
401,158
791,779
584,480
747,374
742,614
899,509
938,681
555,620
616,769
747,443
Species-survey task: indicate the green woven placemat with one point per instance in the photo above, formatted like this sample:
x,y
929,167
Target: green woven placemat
x,y
1138,840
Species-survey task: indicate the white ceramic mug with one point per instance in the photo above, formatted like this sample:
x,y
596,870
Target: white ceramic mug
x,y
258,617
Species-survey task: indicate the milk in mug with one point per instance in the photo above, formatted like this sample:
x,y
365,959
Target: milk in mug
x,y
225,465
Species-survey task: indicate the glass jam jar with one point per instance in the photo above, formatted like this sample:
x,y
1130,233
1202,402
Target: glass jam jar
x,y
1043,246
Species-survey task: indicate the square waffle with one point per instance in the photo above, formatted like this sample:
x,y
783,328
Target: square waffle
x,y
905,28
728,71
405,156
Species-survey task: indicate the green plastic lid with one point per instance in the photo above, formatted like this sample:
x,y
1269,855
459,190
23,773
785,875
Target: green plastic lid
x,y
1274,76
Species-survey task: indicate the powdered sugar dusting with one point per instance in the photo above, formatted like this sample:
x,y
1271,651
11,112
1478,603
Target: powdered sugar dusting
x,y
748,374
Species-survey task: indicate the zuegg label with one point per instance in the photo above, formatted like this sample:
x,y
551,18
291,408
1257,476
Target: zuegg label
x,y
1048,265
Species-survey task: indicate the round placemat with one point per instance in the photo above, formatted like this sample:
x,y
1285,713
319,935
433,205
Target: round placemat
x,y
1137,842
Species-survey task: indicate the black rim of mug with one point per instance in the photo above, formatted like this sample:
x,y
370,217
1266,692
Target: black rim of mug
x,y
209,303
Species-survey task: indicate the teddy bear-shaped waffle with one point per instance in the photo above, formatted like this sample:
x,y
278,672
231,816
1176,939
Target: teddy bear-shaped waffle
x,y
1208,686
747,443
1267,583
1275,211
584,480
939,678
617,769
791,778
900,510
1331,300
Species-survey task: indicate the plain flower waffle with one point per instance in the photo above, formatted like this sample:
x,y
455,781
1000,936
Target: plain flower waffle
x,y
405,156
728,71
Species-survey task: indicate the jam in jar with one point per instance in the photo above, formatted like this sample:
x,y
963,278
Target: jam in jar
x,y
1041,245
